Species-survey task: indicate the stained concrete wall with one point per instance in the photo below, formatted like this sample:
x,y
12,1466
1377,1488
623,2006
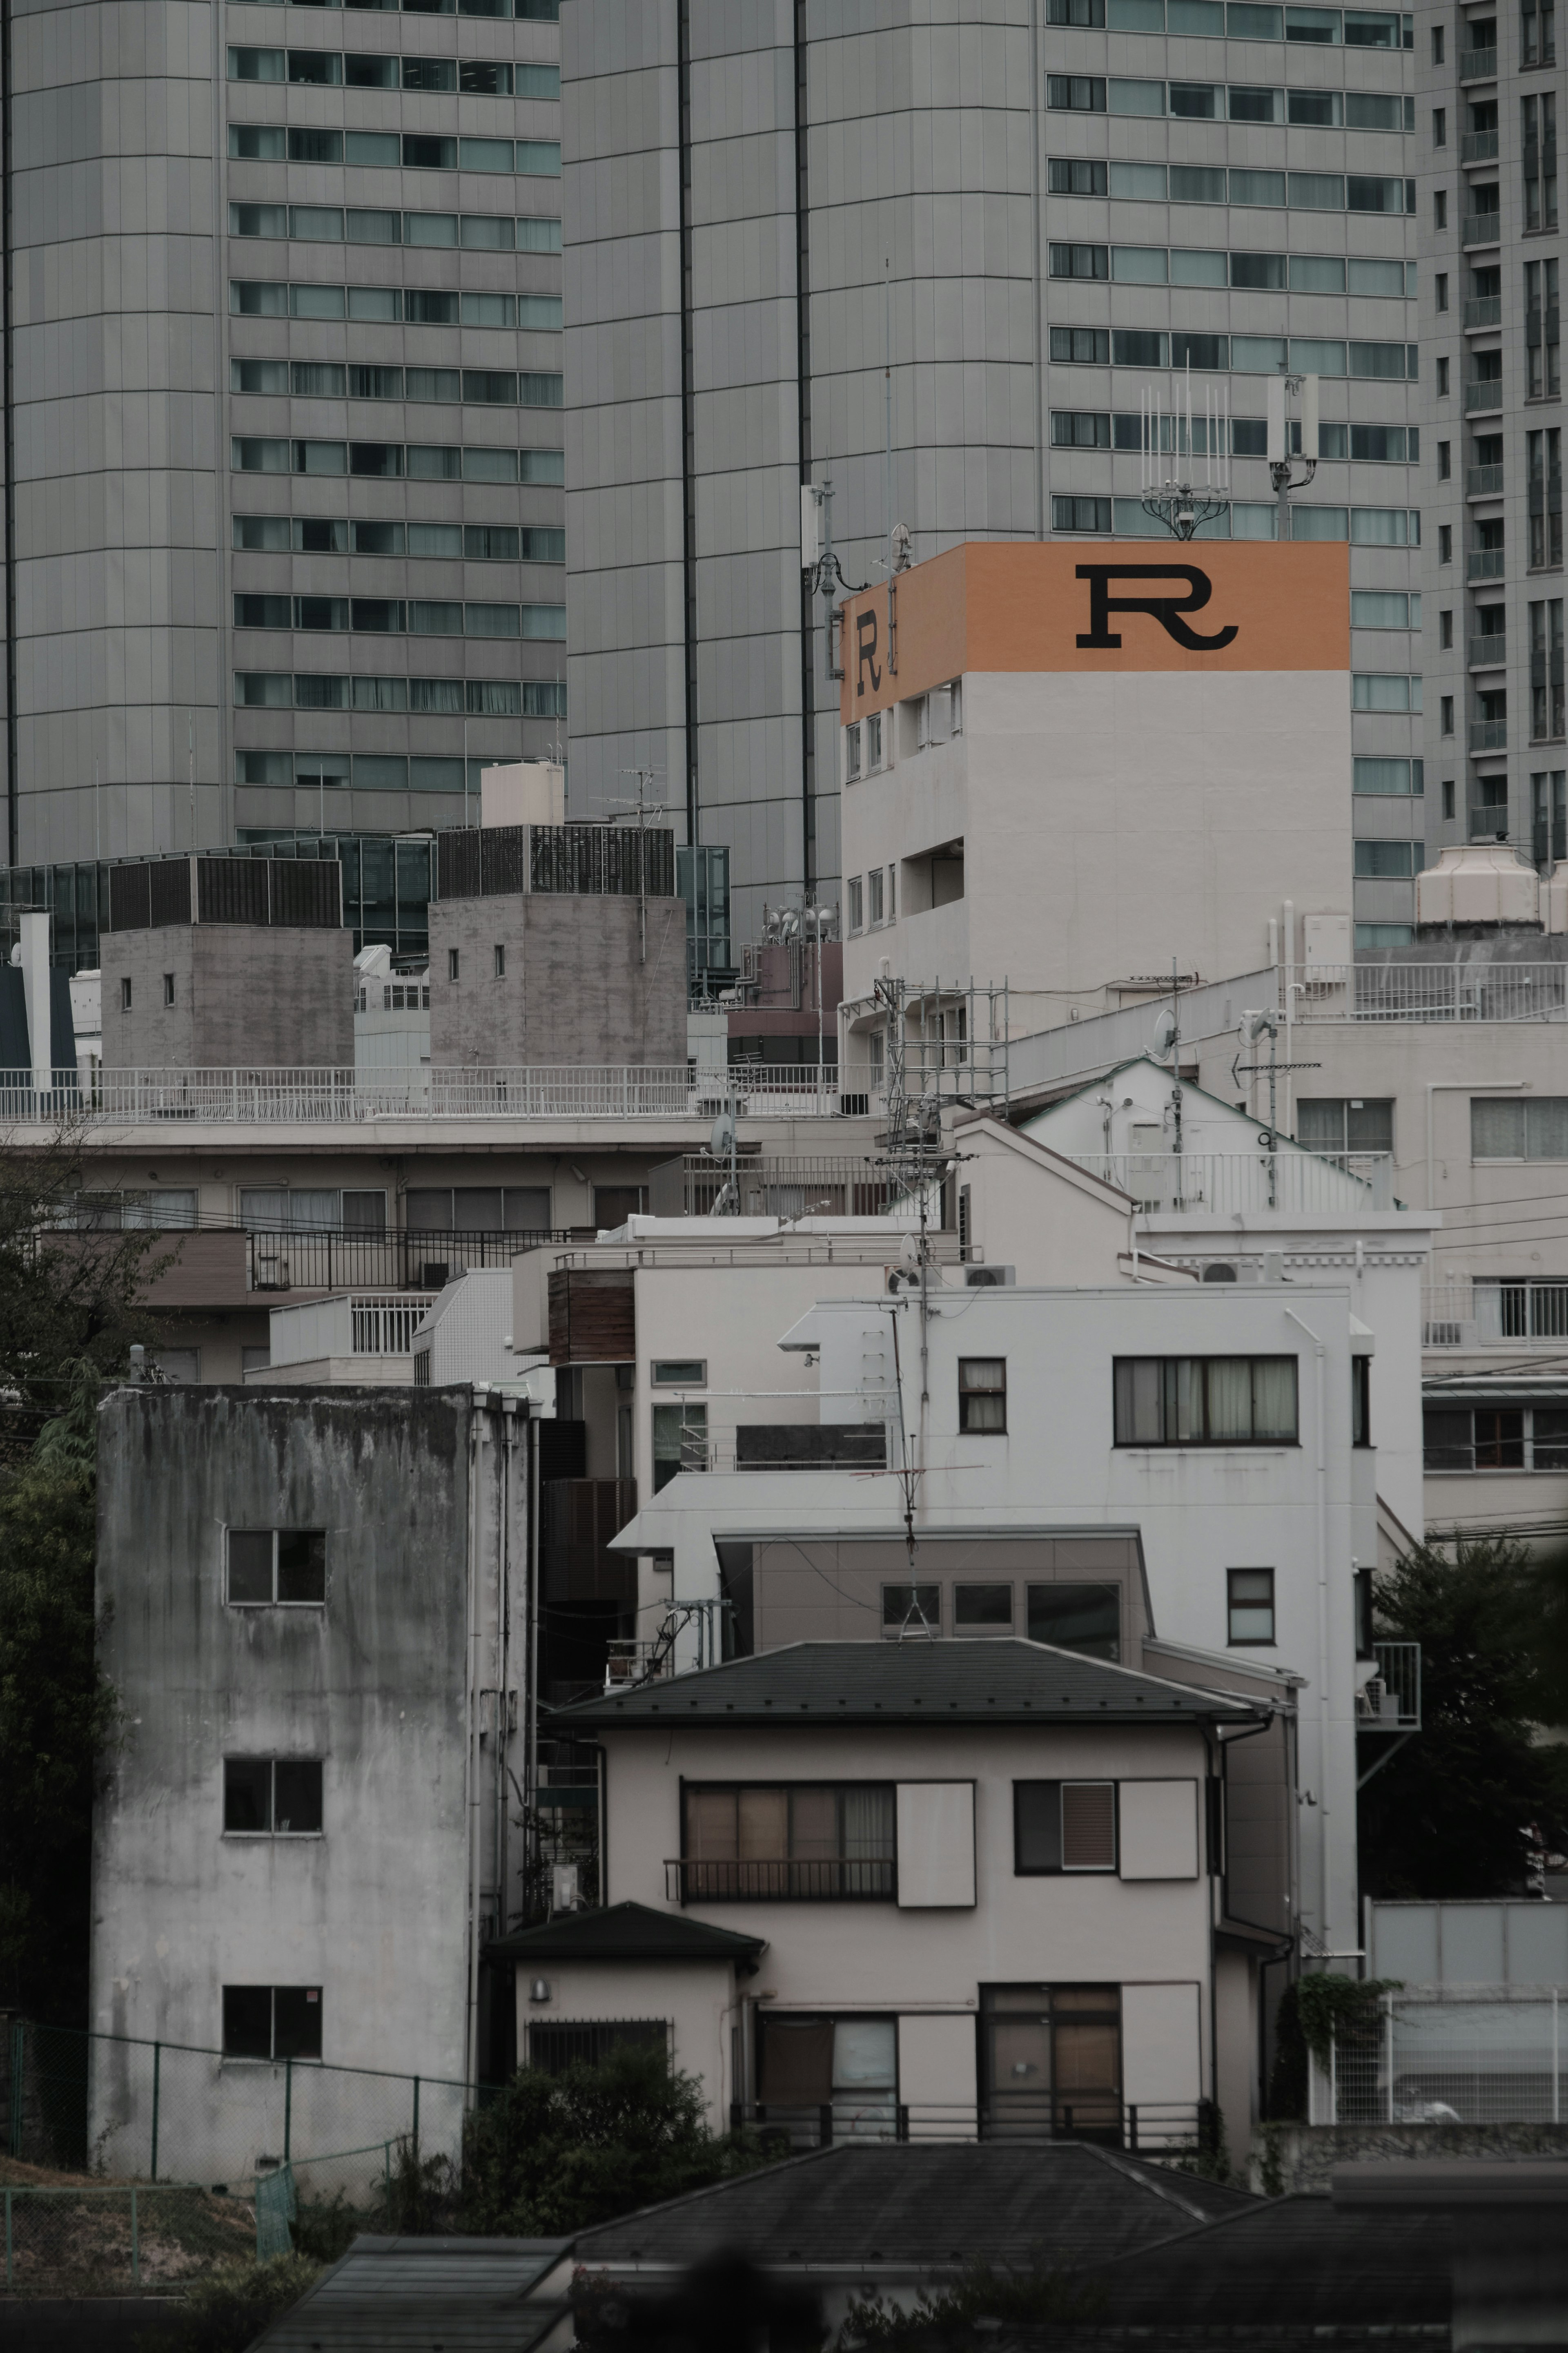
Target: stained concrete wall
x,y
246,996
576,988
373,1911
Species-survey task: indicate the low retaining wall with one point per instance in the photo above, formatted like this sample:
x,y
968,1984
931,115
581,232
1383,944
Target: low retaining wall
x,y
1301,2156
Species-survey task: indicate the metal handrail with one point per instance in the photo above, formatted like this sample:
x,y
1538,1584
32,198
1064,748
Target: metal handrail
x,y
1224,1184
1433,992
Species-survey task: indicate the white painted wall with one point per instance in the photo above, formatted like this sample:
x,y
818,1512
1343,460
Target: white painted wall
x,y
696,1999
1197,1509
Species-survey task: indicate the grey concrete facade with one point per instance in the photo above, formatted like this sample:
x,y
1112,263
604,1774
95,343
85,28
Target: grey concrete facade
x,y
231,582
372,1679
1492,401
545,978
874,206
229,996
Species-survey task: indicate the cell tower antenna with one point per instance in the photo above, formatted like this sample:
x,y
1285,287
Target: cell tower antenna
x,y
1184,478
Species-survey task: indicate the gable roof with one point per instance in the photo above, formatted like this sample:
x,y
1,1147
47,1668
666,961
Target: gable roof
x,y
1008,1681
1189,1087
922,2206
629,1932
1303,2258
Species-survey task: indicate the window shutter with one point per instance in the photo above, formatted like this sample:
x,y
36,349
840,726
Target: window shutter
x,y
936,1844
1088,1825
1159,1829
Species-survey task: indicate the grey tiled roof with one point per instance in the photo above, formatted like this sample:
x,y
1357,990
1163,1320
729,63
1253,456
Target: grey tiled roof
x,y
929,2207
1298,2259
468,2296
1009,1681
628,1932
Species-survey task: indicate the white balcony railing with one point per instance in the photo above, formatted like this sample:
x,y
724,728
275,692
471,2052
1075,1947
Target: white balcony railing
x,y
324,1097
1431,992
1224,1184
1483,1311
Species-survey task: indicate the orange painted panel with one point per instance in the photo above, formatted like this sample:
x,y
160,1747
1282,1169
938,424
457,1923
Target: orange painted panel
x,y
1082,605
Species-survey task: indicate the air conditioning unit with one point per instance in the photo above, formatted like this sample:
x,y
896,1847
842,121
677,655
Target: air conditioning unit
x,y
988,1278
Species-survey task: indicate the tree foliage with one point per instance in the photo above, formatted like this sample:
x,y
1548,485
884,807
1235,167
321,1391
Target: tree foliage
x,y
1446,1816
557,2153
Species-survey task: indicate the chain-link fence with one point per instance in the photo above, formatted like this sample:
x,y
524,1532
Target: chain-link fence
x,y
121,2109
1480,2056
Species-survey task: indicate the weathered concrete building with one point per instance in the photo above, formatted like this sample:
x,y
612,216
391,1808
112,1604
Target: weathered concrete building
x,y
307,1602
559,944
226,962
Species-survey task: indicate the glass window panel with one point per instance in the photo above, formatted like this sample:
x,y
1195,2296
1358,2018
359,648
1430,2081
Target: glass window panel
x,y
296,1797
250,1564
247,1789
1196,184
297,2022
1274,1396
1196,101
1086,1618
1229,1400
1137,96
901,1604
795,2063
302,1565
1317,273
1550,1438
1258,188
982,1605
247,2021
763,1817
1139,182
814,1824
864,2054
1036,1826
1138,1419
1138,265
1257,354
1252,104
1546,1129
1197,268
1497,1130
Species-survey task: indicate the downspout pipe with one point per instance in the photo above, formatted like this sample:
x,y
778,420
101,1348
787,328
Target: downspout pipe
x,y
1321,1354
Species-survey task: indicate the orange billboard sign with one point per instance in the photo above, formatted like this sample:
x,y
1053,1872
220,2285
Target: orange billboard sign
x,y
1079,604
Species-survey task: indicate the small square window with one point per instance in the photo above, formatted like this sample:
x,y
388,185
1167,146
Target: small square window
x,y
912,1609
1250,1603
982,1394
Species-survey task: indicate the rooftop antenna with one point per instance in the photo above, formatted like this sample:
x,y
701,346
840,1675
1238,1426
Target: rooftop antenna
x,y
824,572
641,809
1184,477
1280,438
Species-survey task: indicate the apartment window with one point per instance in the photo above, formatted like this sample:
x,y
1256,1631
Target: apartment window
x,y
1519,1128
1080,514
1540,113
1249,1606
678,1371
1538,32
1063,1826
1546,669
981,1609
799,1841
1442,375
1446,632
1086,1618
1073,176
1445,714
1440,208
1440,139
286,1567
1341,1123
1510,1438
1438,44
679,1440
1082,346
1448,799
857,904
982,1394
1543,468
1081,428
874,895
1081,261
553,2045
1549,805
1445,543
912,1608
1051,2056
168,988
1385,861
1386,777
1361,1401
1075,93
480,1209
1543,331
272,2021
1205,1400
812,2064
272,1797
454,957
873,742
851,753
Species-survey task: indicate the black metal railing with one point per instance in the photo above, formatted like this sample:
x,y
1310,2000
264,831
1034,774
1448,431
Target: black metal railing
x,y
840,1879
1149,2129
335,1258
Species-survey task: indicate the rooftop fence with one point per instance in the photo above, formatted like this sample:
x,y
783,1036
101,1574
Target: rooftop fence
x,y
314,1097
1474,2056
1238,1183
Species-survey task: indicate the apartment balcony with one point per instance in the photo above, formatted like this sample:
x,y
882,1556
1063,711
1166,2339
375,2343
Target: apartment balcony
x,y
831,1879
1488,822
1487,1313
1484,311
1478,146
1390,1699
1161,2128
1488,734
1481,228
1489,652
1486,563
1483,482
1487,393
1479,65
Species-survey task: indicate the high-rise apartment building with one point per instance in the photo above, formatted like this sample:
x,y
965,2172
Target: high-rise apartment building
x,y
282,414
1488,94
937,263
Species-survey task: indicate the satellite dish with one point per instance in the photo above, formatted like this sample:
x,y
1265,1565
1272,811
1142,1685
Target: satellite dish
x,y
722,1139
1165,1036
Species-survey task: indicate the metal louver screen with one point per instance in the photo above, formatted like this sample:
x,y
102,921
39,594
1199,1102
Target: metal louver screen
x,y
457,864
232,890
1088,1826
306,892
129,898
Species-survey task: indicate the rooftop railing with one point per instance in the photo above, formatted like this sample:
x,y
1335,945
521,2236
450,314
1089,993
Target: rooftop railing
x,y
870,2113
1232,1182
326,1097
1489,1313
1433,992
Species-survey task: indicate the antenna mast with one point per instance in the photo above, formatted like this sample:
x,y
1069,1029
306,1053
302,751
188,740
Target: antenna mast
x,y
1185,476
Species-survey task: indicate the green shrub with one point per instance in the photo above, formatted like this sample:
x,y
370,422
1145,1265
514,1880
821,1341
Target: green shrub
x,y
227,2312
